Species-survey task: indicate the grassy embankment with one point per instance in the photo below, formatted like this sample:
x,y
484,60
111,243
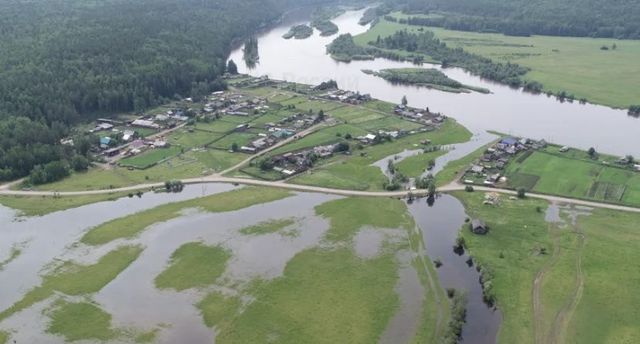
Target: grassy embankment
x,y
77,280
43,205
575,65
580,294
132,225
574,175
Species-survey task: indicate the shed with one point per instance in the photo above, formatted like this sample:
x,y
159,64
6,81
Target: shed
x,y
479,227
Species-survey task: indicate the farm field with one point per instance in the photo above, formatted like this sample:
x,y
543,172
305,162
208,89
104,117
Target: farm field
x,y
576,263
553,174
575,65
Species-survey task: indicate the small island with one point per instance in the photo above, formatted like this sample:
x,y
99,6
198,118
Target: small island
x,y
299,32
325,26
344,49
425,77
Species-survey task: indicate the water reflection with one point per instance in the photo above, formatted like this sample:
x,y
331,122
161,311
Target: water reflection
x,y
440,224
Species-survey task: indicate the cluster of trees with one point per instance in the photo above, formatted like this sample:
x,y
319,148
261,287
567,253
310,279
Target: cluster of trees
x,y
29,147
583,18
426,43
634,110
344,48
458,306
417,76
250,52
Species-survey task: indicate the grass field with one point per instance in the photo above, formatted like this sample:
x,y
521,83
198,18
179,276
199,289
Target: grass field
x,y
132,225
575,65
77,280
415,166
150,157
42,205
81,321
516,230
586,280
4,337
218,309
193,265
555,174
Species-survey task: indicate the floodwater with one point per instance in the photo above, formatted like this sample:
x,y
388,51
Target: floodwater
x,y
440,225
505,110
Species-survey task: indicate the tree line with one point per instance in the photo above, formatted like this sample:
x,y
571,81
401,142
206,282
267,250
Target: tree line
x,y
581,18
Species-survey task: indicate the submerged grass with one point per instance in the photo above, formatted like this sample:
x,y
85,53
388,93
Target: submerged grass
x,y
81,321
132,225
218,310
73,279
193,265
4,337
324,297
43,205
269,226
349,215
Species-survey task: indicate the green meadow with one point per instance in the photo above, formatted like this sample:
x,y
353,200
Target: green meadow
x,y
584,289
575,65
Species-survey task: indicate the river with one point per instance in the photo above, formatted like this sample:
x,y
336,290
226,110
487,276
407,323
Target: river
x,y
504,110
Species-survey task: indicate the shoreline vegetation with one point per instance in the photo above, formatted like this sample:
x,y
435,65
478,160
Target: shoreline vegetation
x,y
424,77
301,31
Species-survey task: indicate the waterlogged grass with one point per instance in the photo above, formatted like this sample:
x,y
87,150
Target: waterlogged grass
x,y
4,337
15,252
147,337
517,230
218,310
76,280
81,321
42,205
324,296
267,227
132,225
347,216
416,165
193,265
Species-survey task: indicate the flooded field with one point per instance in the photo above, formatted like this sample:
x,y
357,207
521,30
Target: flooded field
x,y
259,262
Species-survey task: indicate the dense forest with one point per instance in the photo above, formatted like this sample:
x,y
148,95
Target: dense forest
x,y
66,61
583,18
